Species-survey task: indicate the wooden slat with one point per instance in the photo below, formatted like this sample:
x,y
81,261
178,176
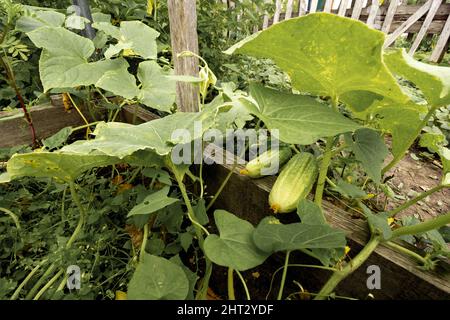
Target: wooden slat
x,y
276,17
328,6
289,9
183,34
426,24
302,7
390,16
313,6
408,23
357,8
343,8
401,277
441,45
373,13
48,119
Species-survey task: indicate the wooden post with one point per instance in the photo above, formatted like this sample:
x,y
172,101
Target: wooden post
x,y
183,34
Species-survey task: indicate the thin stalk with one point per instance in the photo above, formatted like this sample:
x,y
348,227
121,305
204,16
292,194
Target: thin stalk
x,y
203,291
27,279
72,239
353,265
78,109
422,227
227,178
12,82
13,217
323,171
247,293
418,131
41,280
85,126
283,277
144,243
408,252
48,285
413,201
231,295
62,283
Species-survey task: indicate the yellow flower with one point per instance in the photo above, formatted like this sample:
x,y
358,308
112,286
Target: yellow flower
x,y
390,221
120,295
347,250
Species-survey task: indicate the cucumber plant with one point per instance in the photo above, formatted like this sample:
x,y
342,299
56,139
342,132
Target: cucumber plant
x,y
348,100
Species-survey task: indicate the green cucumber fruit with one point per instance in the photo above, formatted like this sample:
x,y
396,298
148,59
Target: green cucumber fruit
x,y
294,183
254,168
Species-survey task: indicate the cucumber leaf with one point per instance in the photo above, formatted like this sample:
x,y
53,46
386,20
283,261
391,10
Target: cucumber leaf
x,y
314,51
272,236
234,247
299,119
157,278
369,148
153,203
433,81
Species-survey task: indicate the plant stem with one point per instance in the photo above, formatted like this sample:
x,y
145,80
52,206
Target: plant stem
x,y
144,243
353,265
323,171
413,201
247,293
406,251
231,295
48,285
227,178
13,217
203,291
283,277
12,82
27,279
72,239
38,284
418,131
80,224
422,227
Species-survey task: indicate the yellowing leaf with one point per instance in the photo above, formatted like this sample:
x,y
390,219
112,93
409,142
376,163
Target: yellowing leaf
x,y
120,295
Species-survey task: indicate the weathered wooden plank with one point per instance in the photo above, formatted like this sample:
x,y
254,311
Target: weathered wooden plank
x,y
328,6
401,277
343,8
373,13
47,118
276,17
426,24
183,31
393,5
313,6
302,7
289,9
442,43
407,24
357,8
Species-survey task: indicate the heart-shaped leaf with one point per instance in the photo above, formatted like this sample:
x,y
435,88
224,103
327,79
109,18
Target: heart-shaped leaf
x,y
314,51
234,247
157,278
299,119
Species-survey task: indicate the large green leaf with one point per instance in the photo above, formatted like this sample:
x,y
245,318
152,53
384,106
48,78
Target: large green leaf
x,y
64,59
433,81
157,278
122,140
272,236
158,90
436,143
325,54
153,203
63,166
369,148
40,18
299,119
234,247
119,81
132,36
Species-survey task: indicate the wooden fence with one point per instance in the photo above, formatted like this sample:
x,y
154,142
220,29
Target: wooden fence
x,y
394,17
